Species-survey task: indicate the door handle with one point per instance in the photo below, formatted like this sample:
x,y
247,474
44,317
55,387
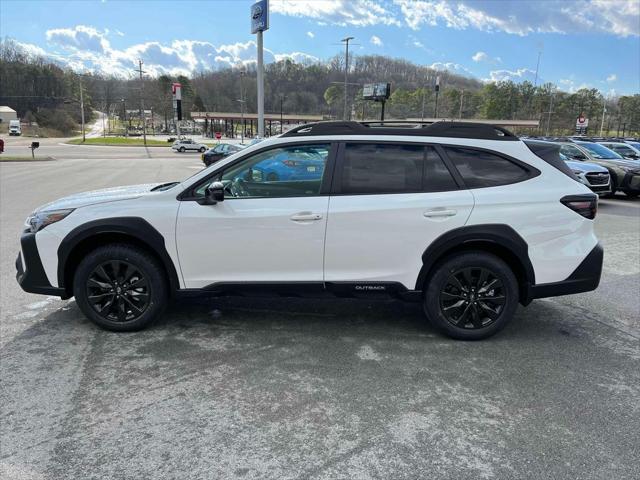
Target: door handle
x,y
306,217
440,213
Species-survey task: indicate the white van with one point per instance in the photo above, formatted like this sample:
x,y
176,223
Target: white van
x,y
14,127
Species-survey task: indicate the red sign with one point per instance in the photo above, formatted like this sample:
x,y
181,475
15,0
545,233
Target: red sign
x,y
176,90
218,135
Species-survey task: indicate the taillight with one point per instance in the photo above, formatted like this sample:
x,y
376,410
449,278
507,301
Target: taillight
x,y
585,205
290,163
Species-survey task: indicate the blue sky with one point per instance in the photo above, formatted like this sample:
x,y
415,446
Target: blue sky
x,y
592,43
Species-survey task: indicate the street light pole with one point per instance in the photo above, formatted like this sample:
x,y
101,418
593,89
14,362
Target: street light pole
x,y
142,114
82,109
241,107
346,73
282,97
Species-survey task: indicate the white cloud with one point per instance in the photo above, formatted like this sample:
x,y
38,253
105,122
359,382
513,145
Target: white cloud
x,y
297,57
119,33
31,49
618,17
518,75
310,34
375,40
480,57
88,49
485,58
612,78
79,38
449,66
358,13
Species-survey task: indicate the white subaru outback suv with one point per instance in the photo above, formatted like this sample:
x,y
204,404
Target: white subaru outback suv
x,y
465,218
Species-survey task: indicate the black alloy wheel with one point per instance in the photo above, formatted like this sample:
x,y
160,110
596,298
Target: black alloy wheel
x,y
471,295
472,298
121,287
118,291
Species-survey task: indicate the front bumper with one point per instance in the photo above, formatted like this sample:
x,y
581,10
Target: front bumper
x,y
630,182
32,278
585,278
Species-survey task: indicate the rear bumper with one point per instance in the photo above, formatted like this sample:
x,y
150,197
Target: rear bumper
x,y
585,278
32,277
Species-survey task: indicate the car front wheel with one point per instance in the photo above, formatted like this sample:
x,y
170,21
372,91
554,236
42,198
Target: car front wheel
x,y
181,149
202,150
120,287
471,295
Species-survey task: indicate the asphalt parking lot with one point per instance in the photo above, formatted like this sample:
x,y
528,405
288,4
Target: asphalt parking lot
x,y
264,388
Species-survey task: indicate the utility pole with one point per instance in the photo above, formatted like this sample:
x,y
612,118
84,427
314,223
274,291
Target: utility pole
x,y
461,103
142,114
81,108
104,107
604,110
437,89
282,97
124,117
424,96
346,73
549,112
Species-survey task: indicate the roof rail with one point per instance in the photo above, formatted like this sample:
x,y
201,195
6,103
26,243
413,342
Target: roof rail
x,y
474,130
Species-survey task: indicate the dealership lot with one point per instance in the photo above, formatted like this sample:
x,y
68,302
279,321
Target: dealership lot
x,y
310,389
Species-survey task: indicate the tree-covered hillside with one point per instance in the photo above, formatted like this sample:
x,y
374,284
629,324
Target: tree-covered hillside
x,y
49,94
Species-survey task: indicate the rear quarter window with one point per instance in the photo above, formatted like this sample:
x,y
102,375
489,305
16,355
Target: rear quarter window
x,y
480,168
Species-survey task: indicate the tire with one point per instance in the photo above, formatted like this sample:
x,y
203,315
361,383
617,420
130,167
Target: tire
x,y
181,149
202,150
467,270
102,274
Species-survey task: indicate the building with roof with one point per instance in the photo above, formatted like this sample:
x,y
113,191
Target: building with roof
x,y
7,113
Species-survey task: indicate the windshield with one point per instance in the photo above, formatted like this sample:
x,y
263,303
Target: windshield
x,y
599,151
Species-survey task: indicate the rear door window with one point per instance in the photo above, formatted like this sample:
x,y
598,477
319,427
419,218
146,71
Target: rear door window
x,y
378,168
480,168
382,168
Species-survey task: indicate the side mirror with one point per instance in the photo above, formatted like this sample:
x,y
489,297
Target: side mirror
x,y
214,193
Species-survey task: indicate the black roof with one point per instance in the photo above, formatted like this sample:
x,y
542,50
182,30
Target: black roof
x,y
474,130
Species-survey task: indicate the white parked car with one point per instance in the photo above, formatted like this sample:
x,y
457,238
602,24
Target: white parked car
x,y
465,218
188,144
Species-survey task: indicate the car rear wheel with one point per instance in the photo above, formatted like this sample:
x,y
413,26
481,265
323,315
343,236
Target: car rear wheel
x,y
120,287
181,149
471,296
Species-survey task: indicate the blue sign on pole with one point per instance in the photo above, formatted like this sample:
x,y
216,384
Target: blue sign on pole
x,y
260,16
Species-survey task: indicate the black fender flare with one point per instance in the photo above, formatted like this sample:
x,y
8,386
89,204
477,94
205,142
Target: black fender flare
x,y
135,227
501,237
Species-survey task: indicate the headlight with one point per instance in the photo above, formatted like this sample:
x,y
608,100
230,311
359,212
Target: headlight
x,y
39,220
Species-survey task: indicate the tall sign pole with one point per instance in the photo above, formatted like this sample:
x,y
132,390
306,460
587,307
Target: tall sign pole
x,y
176,90
346,75
260,23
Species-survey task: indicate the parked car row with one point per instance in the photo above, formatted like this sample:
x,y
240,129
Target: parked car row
x,y
590,159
